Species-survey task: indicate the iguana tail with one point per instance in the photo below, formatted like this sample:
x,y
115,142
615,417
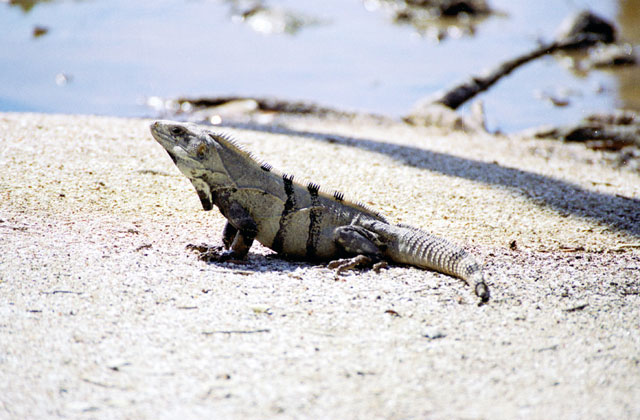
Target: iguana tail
x,y
409,245
422,249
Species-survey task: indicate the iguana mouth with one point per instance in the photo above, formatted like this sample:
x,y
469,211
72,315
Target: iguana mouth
x,y
167,140
173,157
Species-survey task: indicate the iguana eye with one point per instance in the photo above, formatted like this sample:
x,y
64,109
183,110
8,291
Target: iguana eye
x,y
202,150
176,130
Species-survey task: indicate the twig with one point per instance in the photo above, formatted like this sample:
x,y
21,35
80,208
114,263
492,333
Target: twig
x,y
550,348
55,292
265,330
89,381
577,308
624,246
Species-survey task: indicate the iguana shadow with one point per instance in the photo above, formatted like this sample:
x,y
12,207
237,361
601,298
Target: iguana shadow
x,y
273,262
618,212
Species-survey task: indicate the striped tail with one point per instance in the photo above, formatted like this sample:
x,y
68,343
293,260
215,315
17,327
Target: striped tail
x,y
421,249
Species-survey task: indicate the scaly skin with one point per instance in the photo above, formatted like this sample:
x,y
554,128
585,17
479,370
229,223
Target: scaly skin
x,y
296,220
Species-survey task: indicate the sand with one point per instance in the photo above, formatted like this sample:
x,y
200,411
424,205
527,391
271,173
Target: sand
x,y
105,314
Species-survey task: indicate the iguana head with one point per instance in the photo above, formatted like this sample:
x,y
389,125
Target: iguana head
x,y
195,152
187,144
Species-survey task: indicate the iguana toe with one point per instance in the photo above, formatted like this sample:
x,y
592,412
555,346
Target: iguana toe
x,y
210,254
359,261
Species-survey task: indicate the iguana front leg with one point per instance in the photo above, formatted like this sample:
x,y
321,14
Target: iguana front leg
x,y
238,233
237,237
228,235
360,242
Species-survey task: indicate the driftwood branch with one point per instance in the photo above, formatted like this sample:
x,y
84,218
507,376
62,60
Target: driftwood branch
x,y
612,131
585,30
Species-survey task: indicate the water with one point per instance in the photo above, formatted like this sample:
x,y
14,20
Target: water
x,y
100,57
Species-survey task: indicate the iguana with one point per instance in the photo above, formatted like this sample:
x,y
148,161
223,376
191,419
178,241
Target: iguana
x,y
299,220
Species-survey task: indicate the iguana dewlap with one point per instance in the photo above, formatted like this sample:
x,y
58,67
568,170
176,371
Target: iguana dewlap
x,y
298,220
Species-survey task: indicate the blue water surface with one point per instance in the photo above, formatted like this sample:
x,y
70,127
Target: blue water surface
x,y
108,57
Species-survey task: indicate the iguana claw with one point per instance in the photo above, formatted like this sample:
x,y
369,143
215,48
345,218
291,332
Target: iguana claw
x,y
211,254
363,261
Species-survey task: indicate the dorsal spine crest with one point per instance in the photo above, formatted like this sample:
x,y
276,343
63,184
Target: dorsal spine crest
x,y
266,167
315,189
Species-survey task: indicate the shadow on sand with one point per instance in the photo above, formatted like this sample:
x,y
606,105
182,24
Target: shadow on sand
x,y
617,212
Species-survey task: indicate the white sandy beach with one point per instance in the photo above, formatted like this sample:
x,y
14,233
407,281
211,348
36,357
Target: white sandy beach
x,y
105,314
